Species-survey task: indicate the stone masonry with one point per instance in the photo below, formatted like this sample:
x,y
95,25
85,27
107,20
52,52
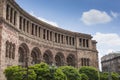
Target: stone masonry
x,y
25,38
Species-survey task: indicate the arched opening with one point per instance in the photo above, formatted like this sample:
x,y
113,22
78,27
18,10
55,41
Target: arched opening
x,y
59,59
71,60
48,57
36,55
23,54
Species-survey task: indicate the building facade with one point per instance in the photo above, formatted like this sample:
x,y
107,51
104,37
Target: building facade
x,y
25,38
111,62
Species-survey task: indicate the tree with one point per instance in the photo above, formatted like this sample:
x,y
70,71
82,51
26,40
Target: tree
x,y
18,73
59,75
105,76
91,72
84,76
70,72
42,71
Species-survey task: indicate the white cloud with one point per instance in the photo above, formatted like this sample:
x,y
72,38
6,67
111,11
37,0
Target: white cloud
x,y
107,43
110,39
44,20
114,14
94,16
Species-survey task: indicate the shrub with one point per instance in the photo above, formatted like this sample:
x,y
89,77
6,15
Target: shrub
x,y
91,72
84,76
70,72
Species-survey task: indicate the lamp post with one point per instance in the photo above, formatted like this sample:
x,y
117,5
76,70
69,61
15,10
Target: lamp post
x,y
26,65
52,70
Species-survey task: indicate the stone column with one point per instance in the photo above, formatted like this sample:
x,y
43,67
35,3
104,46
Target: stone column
x,y
49,35
41,33
64,39
45,34
30,26
25,25
17,20
12,16
34,30
37,31
53,36
22,23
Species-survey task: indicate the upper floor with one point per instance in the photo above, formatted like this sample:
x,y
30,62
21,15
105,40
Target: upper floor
x,y
24,23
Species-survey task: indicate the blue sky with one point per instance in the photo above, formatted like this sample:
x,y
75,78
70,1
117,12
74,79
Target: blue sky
x,y
100,18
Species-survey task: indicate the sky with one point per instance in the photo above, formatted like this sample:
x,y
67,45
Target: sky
x,y
100,18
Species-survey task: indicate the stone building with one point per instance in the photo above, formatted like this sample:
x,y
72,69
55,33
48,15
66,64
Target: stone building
x,y
111,62
25,38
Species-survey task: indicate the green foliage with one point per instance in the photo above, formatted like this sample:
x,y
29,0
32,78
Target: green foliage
x,y
71,72
18,73
9,72
23,75
42,71
105,76
84,76
91,72
59,75
115,76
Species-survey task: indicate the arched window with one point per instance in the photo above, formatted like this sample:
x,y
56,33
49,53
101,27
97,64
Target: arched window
x,y
71,60
36,55
13,52
59,59
48,57
7,49
10,50
23,54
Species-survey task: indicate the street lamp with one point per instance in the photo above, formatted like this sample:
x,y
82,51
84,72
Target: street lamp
x,y
52,70
26,65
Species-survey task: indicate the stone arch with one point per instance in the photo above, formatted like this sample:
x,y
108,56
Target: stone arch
x,y
36,55
48,57
71,60
23,52
59,59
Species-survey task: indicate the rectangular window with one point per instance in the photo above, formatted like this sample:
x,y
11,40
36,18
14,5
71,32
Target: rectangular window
x,y
32,29
44,35
80,42
58,38
36,30
15,16
11,16
55,37
66,39
7,12
24,25
87,43
47,34
20,23
39,31
50,35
